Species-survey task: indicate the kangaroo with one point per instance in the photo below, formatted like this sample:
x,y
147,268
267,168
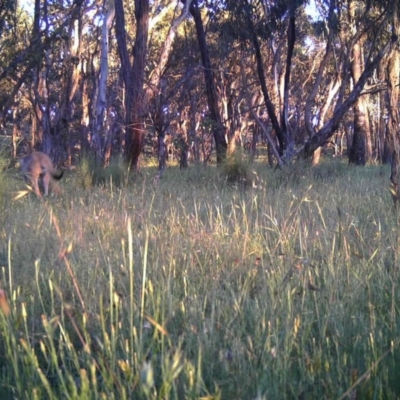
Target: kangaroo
x,y
38,169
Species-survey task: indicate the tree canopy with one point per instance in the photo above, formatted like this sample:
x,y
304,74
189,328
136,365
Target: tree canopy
x,y
194,79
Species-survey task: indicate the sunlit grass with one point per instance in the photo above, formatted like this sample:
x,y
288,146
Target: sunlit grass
x,y
191,288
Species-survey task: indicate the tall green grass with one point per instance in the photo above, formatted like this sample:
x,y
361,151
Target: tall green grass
x,y
197,289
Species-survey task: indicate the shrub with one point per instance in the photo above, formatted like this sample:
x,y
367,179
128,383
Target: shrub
x,y
92,173
237,170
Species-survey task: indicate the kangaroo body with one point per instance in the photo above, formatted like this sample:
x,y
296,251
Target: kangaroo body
x,y
38,169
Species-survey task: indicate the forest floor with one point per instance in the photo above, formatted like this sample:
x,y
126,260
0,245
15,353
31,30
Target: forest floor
x,y
188,287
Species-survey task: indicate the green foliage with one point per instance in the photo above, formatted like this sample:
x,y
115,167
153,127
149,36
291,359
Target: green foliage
x,y
191,289
5,186
237,170
91,173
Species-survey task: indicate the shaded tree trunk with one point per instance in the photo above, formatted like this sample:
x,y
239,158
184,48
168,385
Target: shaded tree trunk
x,y
383,147
85,100
126,70
393,78
291,38
135,132
16,130
280,134
212,99
360,151
133,77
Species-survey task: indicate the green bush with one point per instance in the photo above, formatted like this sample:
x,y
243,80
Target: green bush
x,y
92,173
237,170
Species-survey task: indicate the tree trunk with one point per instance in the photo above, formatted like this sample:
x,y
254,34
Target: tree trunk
x,y
212,99
271,141
308,118
133,77
162,154
393,79
280,134
126,70
16,131
98,135
384,153
360,151
331,126
291,38
153,92
85,120
136,131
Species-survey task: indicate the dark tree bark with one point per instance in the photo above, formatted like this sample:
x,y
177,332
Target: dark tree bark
x,y
280,134
393,69
358,152
133,77
136,130
212,99
126,69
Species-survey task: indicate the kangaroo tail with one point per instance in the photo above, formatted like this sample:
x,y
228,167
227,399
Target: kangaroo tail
x,y
58,176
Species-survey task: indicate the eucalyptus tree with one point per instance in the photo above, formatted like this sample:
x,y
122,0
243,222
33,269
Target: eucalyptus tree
x,y
264,21
356,66
329,30
143,90
157,100
393,76
209,79
133,76
13,30
361,20
351,56
101,102
38,69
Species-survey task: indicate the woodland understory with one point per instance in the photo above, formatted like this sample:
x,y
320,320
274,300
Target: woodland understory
x,y
257,256
194,80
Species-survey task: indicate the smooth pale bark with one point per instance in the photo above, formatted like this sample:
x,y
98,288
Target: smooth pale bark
x,y
310,102
360,151
85,99
16,133
326,132
291,38
97,135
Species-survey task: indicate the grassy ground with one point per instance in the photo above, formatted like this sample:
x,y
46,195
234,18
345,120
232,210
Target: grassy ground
x,y
193,288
